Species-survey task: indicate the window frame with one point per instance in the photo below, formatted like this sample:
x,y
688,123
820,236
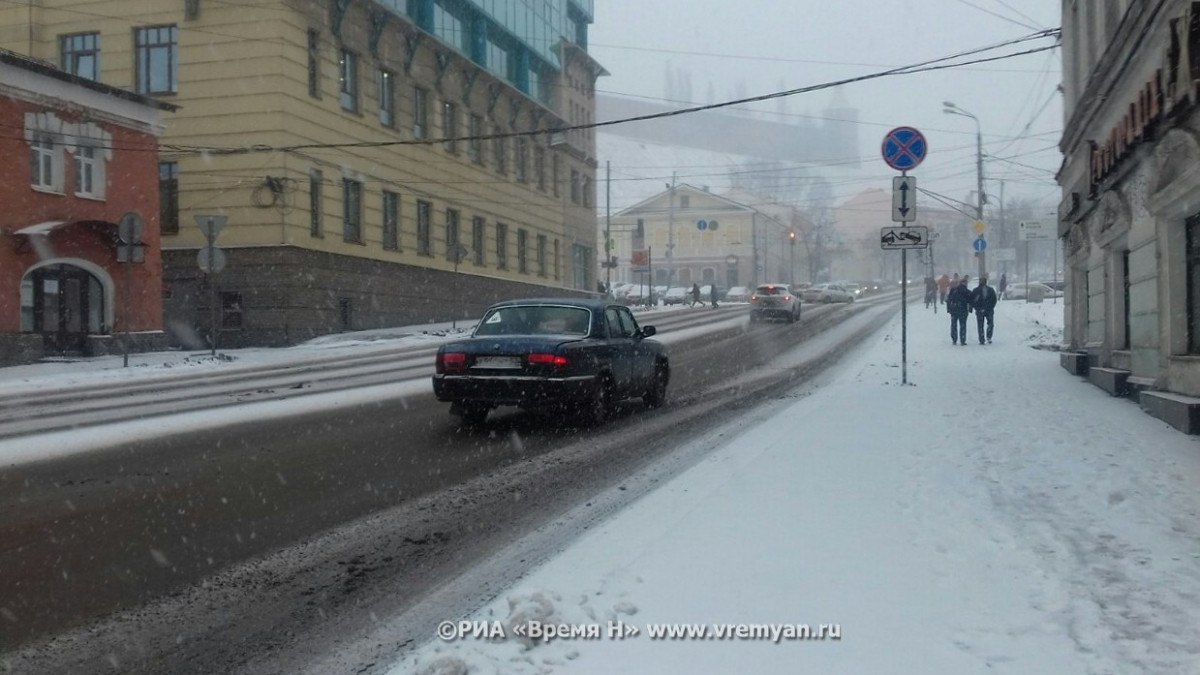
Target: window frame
x,y
420,127
70,55
424,238
389,204
450,127
386,83
501,246
450,233
540,255
348,88
314,63
478,239
147,53
522,250
168,197
316,203
475,140
45,164
352,196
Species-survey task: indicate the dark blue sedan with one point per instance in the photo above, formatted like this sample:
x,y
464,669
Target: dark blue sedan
x,y
578,354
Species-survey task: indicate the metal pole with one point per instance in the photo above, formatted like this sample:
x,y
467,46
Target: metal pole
x,y
1026,270
904,316
608,226
979,191
125,301
1055,263
671,234
212,296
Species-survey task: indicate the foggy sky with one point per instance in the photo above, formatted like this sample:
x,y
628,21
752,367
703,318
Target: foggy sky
x,y
731,50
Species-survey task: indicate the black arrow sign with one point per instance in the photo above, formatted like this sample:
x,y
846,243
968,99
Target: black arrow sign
x,y
904,198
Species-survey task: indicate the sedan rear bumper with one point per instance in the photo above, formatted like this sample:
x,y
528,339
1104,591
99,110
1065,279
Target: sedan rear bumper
x,y
526,391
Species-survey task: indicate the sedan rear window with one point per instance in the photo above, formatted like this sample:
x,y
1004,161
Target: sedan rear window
x,y
535,320
772,290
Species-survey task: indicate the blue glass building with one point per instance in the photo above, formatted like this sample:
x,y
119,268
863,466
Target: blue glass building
x,y
515,39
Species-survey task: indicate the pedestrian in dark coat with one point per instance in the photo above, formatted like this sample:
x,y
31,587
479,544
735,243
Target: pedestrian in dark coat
x,y
712,294
696,295
1002,285
958,306
983,301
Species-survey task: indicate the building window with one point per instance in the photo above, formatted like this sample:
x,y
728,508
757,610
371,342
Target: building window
x,y
314,64
346,313
522,251
391,221
575,187
316,182
89,171
475,140
554,173
581,261
1126,343
387,98
685,201
587,191
519,160
420,113
557,260
80,55
45,172
168,197
424,209
477,234
541,255
351,211
500,149
449,126
539,166
451,234
501,246
348,80
231,311
1193,283
497,59
156,59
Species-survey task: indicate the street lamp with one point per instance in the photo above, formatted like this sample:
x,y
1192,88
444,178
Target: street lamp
x,y
951,109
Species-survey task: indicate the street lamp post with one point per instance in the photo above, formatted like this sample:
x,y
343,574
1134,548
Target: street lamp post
x,y
952,109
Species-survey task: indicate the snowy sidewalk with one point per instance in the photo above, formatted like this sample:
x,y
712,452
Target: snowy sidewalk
x,y
997,516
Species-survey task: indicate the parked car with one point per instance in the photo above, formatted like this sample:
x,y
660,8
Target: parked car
x,y
1022,291
774,300
677,296
827,293
581,355
738,294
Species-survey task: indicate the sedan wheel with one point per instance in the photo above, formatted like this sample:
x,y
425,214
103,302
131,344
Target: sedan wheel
x,y
657,394
597,408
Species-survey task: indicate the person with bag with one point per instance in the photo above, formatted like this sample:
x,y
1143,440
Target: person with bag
x,y
958,306
983,300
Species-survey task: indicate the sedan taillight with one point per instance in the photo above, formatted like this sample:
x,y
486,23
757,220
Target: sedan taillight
x,y
754,297
555,360
451,361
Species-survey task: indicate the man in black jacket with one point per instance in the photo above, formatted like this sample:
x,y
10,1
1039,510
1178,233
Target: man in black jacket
x,y
958,305
983,300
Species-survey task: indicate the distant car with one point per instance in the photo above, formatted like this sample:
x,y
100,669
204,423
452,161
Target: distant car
x,y
1022,291
1058,285
564,353
738,294
677,296
774,300
828,293
852,288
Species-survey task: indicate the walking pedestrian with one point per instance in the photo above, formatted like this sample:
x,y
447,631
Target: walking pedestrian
x,y
1002,285
696,295
712,294
958,306
983,300
943,283
930,292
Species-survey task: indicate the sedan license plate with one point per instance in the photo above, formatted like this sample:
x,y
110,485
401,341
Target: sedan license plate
x,y
497,362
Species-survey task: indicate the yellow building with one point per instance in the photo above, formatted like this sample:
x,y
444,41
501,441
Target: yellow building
x,y
377,163
691,236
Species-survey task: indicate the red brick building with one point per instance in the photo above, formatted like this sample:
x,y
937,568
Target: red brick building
x,y
76,157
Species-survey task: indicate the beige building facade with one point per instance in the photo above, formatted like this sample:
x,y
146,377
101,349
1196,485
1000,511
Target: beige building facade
x,y
692,236
377,163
